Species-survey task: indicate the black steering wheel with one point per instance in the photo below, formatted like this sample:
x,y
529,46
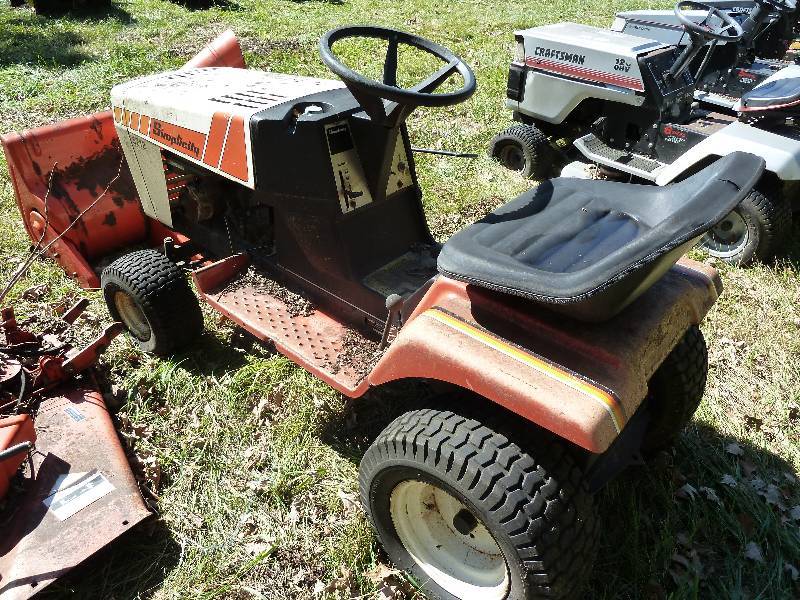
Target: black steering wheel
x,y
371,94
703,29
781,6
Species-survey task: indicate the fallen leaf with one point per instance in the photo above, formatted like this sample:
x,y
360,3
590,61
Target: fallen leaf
x,y
795,513
773,496
789,477
380,573
293,516
343,583
728,480
753,552
349,501
710,494
319,588
735,449
256,548
748,468
794,574
686,491
36,292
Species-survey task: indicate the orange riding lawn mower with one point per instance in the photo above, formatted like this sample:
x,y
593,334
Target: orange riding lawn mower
x,y
561,329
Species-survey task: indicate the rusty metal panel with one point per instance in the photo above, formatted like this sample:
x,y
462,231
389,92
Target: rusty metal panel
x,y
42,538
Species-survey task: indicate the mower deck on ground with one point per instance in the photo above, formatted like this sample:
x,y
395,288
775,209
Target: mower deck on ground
x,y
561,327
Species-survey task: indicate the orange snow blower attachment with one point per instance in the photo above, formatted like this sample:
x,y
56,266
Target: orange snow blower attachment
x,y
75,172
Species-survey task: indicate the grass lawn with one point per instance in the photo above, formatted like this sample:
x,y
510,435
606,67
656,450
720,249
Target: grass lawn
x,y
251,464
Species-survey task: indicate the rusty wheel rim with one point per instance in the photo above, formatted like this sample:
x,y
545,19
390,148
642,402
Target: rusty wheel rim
x,y
132,316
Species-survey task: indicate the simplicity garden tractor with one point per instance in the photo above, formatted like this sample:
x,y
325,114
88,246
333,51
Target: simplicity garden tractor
x,y
559,332
738,76
626,105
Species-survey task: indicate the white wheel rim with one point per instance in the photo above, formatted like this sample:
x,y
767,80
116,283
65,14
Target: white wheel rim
x,y
469,566
727,238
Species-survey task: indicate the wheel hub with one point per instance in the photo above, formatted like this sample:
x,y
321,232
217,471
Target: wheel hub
x,y
447,541
132,316
512,157
728,237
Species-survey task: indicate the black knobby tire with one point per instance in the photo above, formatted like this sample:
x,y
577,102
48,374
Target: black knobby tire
x,y
152,297
524,148
764,217
536,505
675,391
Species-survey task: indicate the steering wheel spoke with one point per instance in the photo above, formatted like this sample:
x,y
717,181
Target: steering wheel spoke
x,y
728,31
390,64
385,101
434,81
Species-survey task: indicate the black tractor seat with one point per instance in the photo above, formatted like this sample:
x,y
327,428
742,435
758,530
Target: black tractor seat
x,y
775,94
589,248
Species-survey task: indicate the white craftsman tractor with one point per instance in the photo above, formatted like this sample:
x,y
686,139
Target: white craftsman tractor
x,y
626,104
734,76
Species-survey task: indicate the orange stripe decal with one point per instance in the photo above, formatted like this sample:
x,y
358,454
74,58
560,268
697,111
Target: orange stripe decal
x,y
216,138
234,157
608,401
117,114
144,125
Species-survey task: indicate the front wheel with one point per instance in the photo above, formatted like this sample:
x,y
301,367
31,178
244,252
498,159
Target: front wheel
x,y
753,230
524,148
472,516
150,295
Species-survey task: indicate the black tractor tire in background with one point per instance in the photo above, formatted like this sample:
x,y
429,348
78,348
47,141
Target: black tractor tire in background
x,y
675,391
755,230
524,148
151,296
528,510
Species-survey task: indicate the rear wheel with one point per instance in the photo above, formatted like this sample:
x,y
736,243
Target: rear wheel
x,y
676,389
753,230
473,516
524,148
150,295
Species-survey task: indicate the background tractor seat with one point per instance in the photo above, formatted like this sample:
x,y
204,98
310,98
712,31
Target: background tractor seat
x,y
588,248
775,93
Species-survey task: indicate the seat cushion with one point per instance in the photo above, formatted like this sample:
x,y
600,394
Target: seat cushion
x,y
570,239
782,90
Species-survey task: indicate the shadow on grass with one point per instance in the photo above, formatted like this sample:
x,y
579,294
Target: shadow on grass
x,y
210,355
29,42
671,529
206,4
92,10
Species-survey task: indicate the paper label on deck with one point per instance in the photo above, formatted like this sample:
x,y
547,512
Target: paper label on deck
x,y
75,491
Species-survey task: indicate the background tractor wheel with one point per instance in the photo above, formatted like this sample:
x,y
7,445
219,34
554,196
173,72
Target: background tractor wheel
x,y
150,295
753,230
676,389
473,516
524,148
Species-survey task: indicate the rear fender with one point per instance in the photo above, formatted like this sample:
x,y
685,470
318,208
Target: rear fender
x,y
581,381
781,153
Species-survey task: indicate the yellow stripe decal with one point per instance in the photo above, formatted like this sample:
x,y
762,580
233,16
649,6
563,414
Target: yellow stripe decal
x,y
606,400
